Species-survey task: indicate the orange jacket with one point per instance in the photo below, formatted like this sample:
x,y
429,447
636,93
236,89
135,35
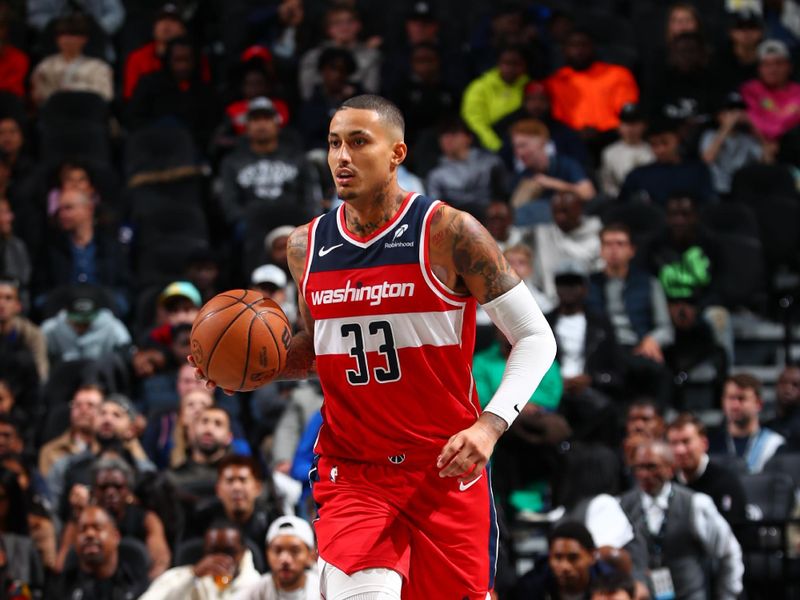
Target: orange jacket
x,y
591,98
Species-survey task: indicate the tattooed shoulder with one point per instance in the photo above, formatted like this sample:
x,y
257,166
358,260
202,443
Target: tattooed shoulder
x,y
479,261
297,248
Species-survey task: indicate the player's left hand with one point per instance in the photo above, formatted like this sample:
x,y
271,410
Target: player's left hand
x,y
467,452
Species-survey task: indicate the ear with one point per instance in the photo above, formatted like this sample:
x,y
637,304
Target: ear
x,y
704,442
399,153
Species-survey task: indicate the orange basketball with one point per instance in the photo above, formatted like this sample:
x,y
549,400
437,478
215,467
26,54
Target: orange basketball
x,y
240,340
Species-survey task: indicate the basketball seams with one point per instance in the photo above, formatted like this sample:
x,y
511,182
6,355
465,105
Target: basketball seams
x,y
274,340
233,327
247,353
219,339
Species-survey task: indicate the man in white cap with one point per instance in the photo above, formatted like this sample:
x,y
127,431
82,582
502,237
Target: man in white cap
x,y
291,552
272,282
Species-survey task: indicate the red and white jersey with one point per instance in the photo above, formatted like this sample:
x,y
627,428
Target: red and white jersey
x,y
394,345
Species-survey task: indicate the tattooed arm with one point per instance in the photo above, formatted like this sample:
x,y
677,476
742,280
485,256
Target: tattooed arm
x,y
300,357
467,259
300,360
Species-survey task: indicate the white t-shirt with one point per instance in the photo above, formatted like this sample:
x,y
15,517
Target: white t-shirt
x,y
265,590
571,336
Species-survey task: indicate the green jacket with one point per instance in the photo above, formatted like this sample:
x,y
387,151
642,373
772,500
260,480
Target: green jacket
x,y
487,369
488,99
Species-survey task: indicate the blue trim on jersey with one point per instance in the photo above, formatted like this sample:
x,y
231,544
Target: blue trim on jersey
x,y
492,531
396,247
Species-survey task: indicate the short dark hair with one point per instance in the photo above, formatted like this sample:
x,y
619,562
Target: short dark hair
x,y
453,124
616,228
685,419
74,24
614,581
646,401
238,460
745,381
386,109
108,463
332,55
573,530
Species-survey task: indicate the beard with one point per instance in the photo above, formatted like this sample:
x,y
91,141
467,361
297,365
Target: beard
x,y
209,449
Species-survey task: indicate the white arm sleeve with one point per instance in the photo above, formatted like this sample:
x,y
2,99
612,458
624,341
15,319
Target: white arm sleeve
x,y
533,349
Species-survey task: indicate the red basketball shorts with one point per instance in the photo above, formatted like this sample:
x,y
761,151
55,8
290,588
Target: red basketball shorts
x,y
439,534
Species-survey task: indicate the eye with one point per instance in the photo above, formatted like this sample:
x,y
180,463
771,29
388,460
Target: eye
x,y
359,142
334,143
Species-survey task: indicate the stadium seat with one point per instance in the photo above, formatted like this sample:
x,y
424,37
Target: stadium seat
x,y
164,260
730,218
740,279
787,463
732,463
190,552
75,107
645,221
158,149
758,180
770,498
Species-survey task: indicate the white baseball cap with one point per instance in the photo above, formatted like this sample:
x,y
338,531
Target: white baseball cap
x,y
291,526
269,274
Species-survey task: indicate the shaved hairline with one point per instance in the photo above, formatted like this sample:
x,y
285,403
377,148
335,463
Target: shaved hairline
x,y
388,113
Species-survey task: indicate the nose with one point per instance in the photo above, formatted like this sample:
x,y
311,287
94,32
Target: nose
x,y
342,155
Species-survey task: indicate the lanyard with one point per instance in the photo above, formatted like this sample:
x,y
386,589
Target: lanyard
x,y
752,449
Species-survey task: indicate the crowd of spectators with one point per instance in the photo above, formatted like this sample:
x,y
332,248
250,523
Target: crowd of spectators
x,y
637,163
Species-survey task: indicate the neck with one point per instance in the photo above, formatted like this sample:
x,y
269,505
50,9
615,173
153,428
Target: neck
x,y
83,436
745,53
741,430
365,215
618,271
461,154
241,516
82,235
102,571
7,326
264,146
70,56
656,493
161,48
297,585
570,309
207,459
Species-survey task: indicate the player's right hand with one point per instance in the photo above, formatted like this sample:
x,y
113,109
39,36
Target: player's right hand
x,y
200,376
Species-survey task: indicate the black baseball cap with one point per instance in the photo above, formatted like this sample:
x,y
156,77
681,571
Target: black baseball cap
x,y
84,304
421,11
733,100
169,11
261,105
746,19
631,113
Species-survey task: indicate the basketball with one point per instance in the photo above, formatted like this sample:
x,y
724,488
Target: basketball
x,y
240,339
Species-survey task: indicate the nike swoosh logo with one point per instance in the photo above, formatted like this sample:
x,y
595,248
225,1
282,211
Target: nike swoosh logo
x,y
323,251
516,408
463,487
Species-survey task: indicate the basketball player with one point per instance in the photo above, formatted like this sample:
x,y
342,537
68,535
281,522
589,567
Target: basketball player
x,y
388,286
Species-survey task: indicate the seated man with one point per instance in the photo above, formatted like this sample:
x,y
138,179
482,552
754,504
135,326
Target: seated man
x,y
84,329
670,174
689,443
569,570
787,406
291,554
742,434
18,334
590,359
83,410
637,308
686,260
239,498
101,571
572,236
466,177
225,569
544,173
210,441
695,532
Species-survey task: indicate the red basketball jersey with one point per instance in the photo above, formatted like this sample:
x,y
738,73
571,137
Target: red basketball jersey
x,y
393,344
